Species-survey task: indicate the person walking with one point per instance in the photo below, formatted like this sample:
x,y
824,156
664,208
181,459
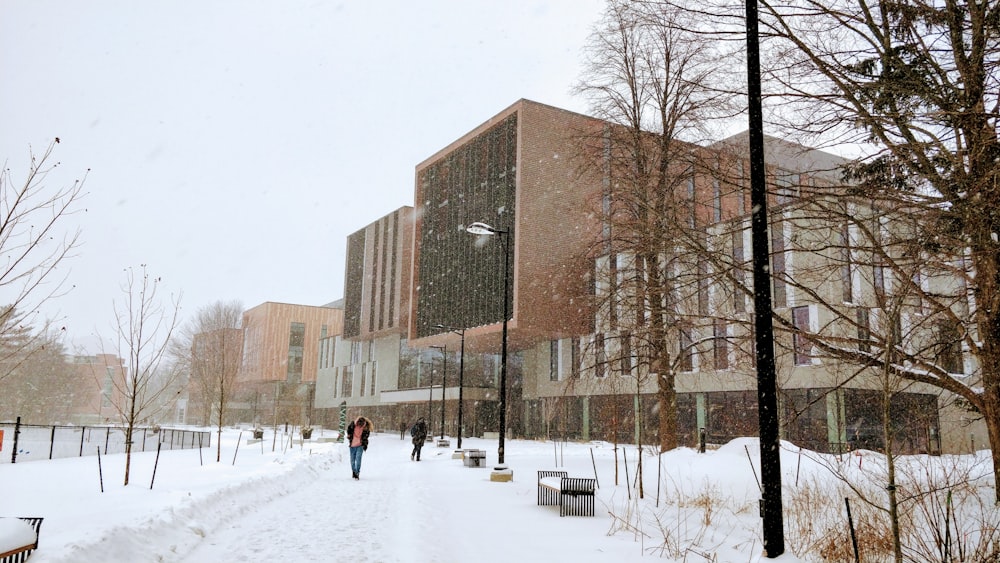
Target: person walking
x,y
357,434
419,433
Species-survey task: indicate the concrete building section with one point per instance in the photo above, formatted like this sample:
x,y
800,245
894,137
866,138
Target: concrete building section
x,y
377,276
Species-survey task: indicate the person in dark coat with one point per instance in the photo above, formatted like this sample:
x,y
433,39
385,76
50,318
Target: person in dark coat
x,y
357,436
419,433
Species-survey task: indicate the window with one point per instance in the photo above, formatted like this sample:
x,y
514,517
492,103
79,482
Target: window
x,y
721,344
949,347
600,357
296,339
703,283
918,292
612,291
372,370
716,200
626,353
692,220
778,264
575,357
847,289
739,275
553,360
348,381
687,350
364,377
864,330
801,345
787,184
355,352
878,279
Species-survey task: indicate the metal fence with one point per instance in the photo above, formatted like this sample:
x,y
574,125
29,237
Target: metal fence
x,y
31,442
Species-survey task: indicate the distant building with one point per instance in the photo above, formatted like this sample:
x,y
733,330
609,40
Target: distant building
x,y
278,373
91,393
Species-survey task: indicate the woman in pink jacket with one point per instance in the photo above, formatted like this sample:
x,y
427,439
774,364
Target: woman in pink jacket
x,y
357,438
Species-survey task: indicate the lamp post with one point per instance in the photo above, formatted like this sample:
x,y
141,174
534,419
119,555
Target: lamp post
x,y
767,400
461,372
444,380
478,228
430,396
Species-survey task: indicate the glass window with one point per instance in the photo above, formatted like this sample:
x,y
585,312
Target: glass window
x,y
687,350
801,344
553,360
721,344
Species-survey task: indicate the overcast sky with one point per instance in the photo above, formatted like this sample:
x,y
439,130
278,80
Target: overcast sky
x,y
233,145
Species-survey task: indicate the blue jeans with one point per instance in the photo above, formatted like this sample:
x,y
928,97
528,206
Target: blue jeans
x,y
356,453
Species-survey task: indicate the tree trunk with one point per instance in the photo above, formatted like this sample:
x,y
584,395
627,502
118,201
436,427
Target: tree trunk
x,y
991,415
667,396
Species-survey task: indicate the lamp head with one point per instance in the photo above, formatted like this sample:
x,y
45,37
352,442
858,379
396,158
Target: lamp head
x,y
479,228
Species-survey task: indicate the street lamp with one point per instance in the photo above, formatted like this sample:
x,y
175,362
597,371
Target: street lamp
x,y
478,228
461,372
444,381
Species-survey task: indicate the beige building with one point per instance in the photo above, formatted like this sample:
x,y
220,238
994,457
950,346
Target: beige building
x,y
280,360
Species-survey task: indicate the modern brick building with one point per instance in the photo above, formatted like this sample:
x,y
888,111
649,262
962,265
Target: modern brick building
x,y
419,286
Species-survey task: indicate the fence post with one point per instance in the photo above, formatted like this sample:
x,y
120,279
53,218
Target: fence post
x,y
17,430
83,436
52,441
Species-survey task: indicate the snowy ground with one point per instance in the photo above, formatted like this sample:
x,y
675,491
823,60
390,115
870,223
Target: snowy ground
x,y
301,504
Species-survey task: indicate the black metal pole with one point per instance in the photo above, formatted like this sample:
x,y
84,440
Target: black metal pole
x,y
444,368
461,372
444,383
503,346
430,398
767,401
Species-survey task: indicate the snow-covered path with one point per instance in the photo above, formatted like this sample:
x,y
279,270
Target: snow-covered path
x,y
399,510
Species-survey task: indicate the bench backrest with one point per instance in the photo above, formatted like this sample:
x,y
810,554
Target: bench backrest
x,y
548,473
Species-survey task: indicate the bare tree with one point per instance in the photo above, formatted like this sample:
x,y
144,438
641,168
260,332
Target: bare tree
x,y
916,85
143,330
919,83
650,78
211,345
34,247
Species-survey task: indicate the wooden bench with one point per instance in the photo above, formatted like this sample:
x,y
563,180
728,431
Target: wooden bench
x,y
474,458
574,495
443,443
18,538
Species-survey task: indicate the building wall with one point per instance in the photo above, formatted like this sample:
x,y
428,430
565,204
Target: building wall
x,y
266,339
377,276
93,390
515,171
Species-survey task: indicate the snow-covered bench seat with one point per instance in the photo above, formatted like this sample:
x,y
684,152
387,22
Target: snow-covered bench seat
x,y
574,495
18,538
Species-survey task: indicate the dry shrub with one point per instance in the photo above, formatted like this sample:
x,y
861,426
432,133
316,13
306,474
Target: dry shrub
x,y
953,517
817,529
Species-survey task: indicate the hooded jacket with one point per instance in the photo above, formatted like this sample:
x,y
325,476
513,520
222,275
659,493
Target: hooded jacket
x,y
364,434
